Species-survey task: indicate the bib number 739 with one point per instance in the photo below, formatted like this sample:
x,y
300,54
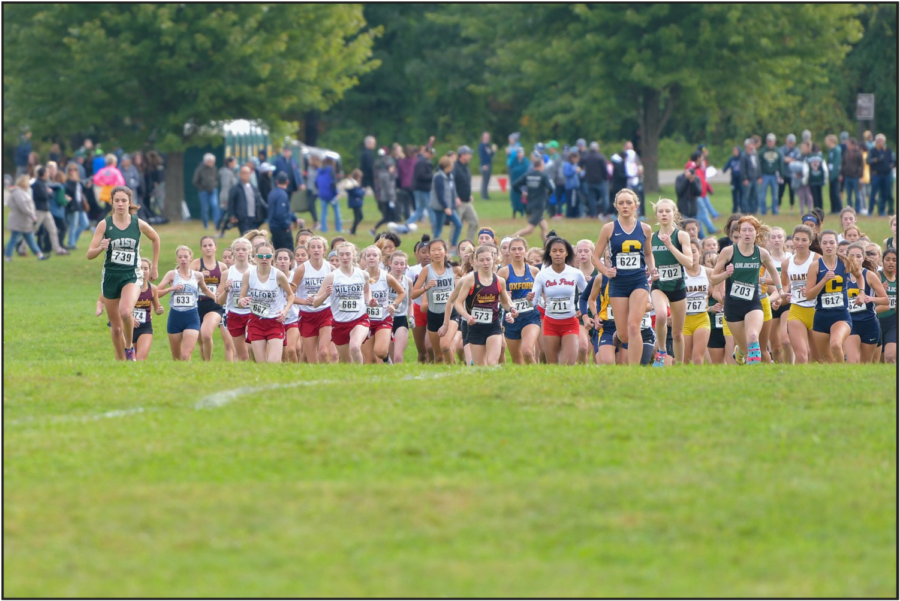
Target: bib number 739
x,y
123,257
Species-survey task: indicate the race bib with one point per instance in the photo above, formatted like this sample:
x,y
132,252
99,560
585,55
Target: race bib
x,y
482,315
183,300
797,294
696,305
609,312
140,315
670,273
375,313
854,308
628,261
441,298
559,305
833,300
349,305
892,302
646,322
214,288
259,308
522,305
720,320
123,257
742,291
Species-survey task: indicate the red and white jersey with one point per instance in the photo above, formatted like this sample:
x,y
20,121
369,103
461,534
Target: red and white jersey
x,y
310,284
560,291
293,315
380,292
267,299
234,293
348,300
413,272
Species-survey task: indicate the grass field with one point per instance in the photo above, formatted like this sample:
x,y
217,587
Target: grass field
x,y
163,479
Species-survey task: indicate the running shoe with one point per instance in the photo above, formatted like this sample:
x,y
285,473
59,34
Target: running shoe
x,y
738,356
129,354
660,360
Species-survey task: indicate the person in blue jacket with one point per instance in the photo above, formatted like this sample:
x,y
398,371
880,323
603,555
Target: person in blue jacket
x,y
327,187
288,165
517,165
280,217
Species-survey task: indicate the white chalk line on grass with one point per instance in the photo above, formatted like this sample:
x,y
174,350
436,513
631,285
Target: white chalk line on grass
x,y
220,399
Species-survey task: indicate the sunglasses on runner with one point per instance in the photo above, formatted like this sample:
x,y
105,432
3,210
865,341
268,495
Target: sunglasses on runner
x,y
261,256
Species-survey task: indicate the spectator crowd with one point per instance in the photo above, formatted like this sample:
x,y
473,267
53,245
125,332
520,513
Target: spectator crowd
x,y
57,200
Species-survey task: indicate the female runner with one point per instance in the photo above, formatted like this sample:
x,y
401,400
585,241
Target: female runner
x,y
598,312
316,322
794,271
419,319
715,348
699,283
301,255
584,251
480,308
827,282
671,254
521,333
228,259
380,309
486,235
185,284
436,282
632,259
504,250
236,316
887,314
780,343
865,334
743,308
560,285
400,329
119,237
347,291
387,243
268,295
211,312
147,302
292,344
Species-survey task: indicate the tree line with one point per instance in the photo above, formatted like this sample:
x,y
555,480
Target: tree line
x,y
157,75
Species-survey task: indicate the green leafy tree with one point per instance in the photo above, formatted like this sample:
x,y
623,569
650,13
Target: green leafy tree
x,y
163,73
592,68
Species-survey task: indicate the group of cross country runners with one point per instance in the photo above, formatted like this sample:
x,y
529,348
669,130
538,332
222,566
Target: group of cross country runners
x,y
634,296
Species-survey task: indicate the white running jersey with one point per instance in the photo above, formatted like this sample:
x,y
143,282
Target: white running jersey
x,y
293,315
380,292
186,298
413,272
797,279
560,290
697,289
403,308
348,299
267,299
310,284
234,294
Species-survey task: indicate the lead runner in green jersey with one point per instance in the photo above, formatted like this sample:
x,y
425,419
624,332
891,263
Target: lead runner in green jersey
x,y
671,253
119,237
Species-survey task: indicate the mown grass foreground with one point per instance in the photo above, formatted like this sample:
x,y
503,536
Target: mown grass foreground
x,y
217,480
